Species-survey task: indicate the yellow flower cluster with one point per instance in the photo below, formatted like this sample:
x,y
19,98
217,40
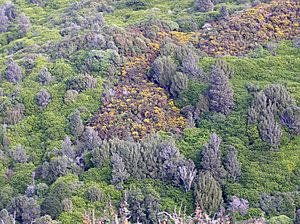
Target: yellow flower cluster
x,y
138,106
273,21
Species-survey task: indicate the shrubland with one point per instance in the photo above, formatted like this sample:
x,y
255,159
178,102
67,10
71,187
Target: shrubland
x,y
149,111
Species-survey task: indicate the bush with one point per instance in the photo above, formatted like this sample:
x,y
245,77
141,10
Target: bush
x,y
13,72
24,25
26,209
70,96
137,4
43,98
162,71
82,83
45,77
203,5
282,219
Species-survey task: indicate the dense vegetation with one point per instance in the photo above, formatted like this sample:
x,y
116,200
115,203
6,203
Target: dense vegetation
x,y
149,111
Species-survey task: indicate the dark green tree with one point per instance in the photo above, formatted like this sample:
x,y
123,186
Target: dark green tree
x,y
52,206
4,22
19,154
211,158
208,193
6,218
144,204
297,219
232,164
179,83
162,71
220,94
15,113
94,194
26,209
67,149
91,139
119,172
24,25
76,124
291,119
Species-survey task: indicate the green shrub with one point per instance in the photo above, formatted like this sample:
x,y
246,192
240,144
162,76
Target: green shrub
x,y
282,219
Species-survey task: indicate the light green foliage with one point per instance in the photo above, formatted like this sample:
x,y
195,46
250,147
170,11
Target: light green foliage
x,y
42,128
99,62
262,171
22,177
282,219
169,10
208,193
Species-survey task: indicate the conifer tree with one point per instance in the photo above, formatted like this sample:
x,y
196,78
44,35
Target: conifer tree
x,y
239,205
91,139
67,149
179,83
297,219
220,94
187,174
269,129
76,124
162,70
211,158
19,154
119,172
24,25
232,164
208,193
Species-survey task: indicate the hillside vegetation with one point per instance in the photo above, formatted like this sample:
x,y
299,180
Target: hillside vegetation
x,y
137,111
